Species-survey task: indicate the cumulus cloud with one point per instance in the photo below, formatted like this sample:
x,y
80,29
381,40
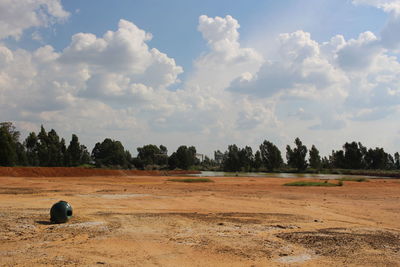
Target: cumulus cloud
x,y
359,54
226,59
386,5
119,71
300,65
19,15
120,66
390,38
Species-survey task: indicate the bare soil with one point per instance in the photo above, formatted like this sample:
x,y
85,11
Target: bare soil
x,y
132,220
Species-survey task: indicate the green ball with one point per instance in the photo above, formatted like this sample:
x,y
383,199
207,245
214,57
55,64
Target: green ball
x,y
60,212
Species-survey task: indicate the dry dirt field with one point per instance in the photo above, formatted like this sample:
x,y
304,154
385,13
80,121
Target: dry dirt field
x,y
150,221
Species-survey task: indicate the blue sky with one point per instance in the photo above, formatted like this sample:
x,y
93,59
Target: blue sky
x,y
319,70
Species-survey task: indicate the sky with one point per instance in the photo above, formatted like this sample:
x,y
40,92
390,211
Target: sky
x,y
204,73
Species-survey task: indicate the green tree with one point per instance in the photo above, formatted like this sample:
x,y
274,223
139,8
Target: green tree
x,y
12,152
325,163
43,147
32,145
315,158
11,130
257,163
186,156
8,155
354,155
56,149
85,155
337,159
231,162
271,155
246,158
110,153
152,155
377,159
22,158
297,157
76,153
397,160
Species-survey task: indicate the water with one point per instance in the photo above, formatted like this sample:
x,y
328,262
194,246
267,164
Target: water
x,y
278,175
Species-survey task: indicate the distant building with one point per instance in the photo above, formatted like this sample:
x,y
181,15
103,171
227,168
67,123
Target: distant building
x,y
218,156
200,157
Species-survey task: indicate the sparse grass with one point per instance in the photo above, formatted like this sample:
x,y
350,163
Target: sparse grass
x,y
192,180
353,179
308,183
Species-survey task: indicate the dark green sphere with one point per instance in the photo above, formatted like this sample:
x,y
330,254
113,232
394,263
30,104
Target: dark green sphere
x,y
60,212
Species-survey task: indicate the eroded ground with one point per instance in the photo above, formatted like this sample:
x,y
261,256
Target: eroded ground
x,y
149,221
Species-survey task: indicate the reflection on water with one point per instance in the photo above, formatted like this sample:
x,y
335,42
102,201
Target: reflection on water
x,y
276,175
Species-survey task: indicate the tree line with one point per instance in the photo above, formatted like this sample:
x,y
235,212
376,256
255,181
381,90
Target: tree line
x,y
353,155
48,149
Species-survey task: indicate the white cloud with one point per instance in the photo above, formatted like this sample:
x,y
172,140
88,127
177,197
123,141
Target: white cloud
x,y
120,66
226,59
389,35
386,5
19,15
300,67
359,54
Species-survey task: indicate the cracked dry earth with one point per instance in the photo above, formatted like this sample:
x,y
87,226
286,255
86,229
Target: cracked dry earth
x,y
150,221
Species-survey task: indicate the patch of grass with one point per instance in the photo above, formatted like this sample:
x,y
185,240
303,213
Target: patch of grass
x,y
308,183
192,180
353,179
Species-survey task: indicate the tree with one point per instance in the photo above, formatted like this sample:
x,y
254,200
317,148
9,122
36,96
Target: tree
x,y
377,159
8,155
354,155
173,161
32,145
337,159
22,158
185,157
56,149
110,153
271,155
231,162
11,130
397,160
152,155
257,163
315,159
12,152
246,158
297,157
42,148
325,163
76,153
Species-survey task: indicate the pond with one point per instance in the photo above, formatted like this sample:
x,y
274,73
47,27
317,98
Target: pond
x,y
278,175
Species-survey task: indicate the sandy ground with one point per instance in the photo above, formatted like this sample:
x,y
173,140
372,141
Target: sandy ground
x,y
150,221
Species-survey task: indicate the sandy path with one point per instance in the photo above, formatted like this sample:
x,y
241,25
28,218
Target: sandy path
x,y
149,221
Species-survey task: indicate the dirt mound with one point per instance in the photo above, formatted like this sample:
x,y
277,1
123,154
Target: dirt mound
x,y
80,172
